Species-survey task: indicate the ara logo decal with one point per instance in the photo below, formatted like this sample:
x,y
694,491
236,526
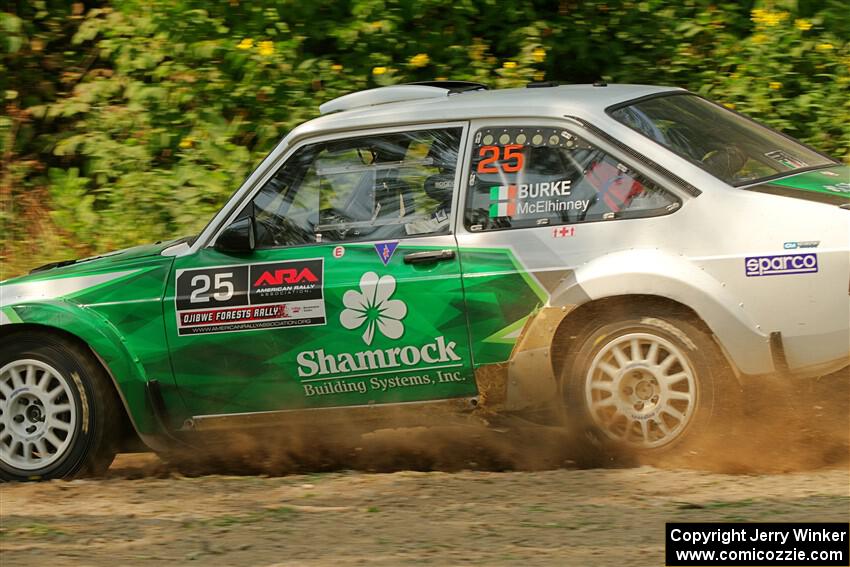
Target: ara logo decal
x,y
290,276
294,280
372,307
385,251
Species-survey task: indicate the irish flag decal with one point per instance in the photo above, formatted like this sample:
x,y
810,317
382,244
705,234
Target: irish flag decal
x,y
502,201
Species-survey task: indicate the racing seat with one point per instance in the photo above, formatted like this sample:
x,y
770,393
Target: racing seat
x,y
439,188
616,188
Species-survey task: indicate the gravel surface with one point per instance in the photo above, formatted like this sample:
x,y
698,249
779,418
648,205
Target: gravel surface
x,y
558,517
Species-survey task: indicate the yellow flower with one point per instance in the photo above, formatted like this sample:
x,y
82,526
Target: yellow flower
x,y
825,47
775,85
266,48
476,52
246,44
539,54
729,105
768,18
186,142
336,67
803,24
509,64
539,76
379,70
778,18
420,60
760,38
441,79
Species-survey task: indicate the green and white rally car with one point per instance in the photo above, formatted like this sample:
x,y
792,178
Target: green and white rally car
x,y
626,256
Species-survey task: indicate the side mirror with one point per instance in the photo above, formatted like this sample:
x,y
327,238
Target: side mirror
x,y
238,238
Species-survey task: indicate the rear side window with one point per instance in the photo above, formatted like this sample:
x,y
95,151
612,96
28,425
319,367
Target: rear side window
x,y
525,177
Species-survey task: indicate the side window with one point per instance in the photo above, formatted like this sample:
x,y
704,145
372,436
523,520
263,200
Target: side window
x,y
524,177
378,187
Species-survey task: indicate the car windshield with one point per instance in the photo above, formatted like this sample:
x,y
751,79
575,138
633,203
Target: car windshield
x,y
723,143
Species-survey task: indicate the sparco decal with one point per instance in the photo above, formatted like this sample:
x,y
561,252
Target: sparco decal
x,y
244,298
781,265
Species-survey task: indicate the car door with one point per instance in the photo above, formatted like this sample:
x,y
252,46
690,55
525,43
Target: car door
x,y
352,295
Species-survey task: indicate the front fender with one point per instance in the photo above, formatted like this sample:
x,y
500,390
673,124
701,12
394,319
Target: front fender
x,y
651,272
105,341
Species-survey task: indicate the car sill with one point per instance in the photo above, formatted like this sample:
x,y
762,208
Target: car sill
x,y
371,412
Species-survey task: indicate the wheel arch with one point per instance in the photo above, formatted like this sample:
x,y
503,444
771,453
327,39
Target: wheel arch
x,y
572,327
620,278
94,335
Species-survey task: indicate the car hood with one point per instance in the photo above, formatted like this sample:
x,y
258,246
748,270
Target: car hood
x,y
830,185
102,263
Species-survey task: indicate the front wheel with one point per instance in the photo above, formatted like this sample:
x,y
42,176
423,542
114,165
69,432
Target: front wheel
x,y
646,383
58,413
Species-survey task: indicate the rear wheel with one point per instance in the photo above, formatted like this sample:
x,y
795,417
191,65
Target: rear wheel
x,y
58,412
646,384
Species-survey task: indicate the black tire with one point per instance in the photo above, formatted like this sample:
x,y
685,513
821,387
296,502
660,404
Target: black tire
x,y
86,432
635,411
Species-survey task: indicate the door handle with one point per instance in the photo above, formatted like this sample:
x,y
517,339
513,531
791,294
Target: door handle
x,y
429,257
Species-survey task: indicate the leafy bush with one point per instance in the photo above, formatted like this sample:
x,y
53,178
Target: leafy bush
x,y
133,121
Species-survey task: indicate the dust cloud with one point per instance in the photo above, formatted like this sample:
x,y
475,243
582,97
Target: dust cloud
x,y
777,426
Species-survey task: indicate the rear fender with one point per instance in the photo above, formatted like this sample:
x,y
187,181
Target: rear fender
x,y
650,272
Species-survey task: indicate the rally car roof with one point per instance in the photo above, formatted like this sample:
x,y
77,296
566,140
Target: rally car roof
x,y
426,103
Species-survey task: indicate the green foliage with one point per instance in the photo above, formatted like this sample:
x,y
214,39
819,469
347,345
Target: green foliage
x,y
130,121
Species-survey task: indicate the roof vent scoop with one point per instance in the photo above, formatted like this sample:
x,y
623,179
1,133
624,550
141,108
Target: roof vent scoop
x,y
397,93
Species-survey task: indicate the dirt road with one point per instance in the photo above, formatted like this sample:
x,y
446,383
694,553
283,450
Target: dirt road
x,y
487,500
558,517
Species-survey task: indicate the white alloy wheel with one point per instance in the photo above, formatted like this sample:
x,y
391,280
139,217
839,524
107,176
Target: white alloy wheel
x,y
38,416
641,390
